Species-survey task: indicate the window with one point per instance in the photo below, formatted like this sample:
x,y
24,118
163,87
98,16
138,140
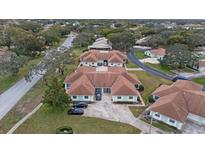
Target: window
x,y
74,97
156,97
171,121
119,97
130,97
157,115
86,97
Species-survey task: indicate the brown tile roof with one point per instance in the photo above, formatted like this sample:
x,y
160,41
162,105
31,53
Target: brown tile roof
x,y
122,86
172,105
180,99
94,55
84,87
176,86
186,84
75,75
101,79
158,51
202,63
115,59
90,58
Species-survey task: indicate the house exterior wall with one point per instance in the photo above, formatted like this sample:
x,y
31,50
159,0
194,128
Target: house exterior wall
x,y
166,120
66,85
202,69
197,119
149,54
124,99
94,64
82,98
115,64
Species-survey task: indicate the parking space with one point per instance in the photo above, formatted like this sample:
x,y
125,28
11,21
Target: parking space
x,y
192,128
107,110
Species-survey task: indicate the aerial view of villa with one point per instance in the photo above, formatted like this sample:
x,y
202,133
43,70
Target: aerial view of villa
x,y
102,76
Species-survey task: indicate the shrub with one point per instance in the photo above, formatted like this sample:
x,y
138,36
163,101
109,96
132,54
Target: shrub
x,y
64,130
140,88
151,99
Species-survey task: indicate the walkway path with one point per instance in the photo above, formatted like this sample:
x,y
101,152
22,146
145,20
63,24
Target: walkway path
x,y
24,119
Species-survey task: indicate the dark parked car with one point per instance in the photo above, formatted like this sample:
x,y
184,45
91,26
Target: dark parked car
x,y
179,77
98,97
80,105
75,111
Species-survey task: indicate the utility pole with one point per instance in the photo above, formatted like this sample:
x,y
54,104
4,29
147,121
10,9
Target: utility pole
x,y
150,126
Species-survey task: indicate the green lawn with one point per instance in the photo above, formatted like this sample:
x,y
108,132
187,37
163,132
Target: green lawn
x,y
139,54
19,111
160,68
199,80
131,65
149,82
8,80
46,122
136,110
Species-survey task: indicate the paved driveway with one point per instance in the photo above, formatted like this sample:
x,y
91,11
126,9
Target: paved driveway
x,y
105,109
192,128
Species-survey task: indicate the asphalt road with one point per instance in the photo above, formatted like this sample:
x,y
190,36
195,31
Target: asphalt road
x,y
10,97
155,72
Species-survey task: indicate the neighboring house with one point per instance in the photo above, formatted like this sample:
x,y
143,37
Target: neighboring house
x,y
142,40
158,53
101,44
86,82
198,65
181,101
200,52
202,65
94,58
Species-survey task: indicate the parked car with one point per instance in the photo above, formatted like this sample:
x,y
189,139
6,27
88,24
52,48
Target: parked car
x,y
80,105
98,97
179,77
75,111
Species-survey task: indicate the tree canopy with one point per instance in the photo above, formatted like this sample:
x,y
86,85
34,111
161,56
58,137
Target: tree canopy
x,y
177,56
55,96
122,40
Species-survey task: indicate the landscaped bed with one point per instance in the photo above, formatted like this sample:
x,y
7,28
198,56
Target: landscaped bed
x,y
161,125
